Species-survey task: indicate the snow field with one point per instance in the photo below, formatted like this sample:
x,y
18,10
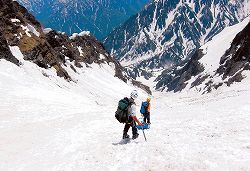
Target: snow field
x,y
50,124
47,123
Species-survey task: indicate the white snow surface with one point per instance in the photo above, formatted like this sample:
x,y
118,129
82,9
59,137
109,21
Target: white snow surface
x,y
47,30
48,123
14,20
83,33
30,29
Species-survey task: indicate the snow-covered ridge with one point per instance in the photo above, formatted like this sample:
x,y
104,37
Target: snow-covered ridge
x,y
92,80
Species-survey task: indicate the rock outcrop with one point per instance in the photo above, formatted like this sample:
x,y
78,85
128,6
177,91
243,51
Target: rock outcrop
x,y
237,57
20,28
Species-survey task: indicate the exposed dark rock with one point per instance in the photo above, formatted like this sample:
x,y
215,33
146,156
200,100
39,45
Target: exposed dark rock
x,y
235,60
237,57
90,50
5,52
174,79
26,33
199,80
142,86
137,72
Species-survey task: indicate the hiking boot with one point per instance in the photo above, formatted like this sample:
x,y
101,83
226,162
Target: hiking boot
x,y
125,136
135,136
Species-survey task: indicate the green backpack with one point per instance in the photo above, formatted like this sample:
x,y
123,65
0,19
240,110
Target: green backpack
x,y
121,113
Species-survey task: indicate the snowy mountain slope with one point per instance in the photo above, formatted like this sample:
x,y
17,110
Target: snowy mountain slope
x,y
100,17
50,124
46,76
38,106
50,49
223,60
167,32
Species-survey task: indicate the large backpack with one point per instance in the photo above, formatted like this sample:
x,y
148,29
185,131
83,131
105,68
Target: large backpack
x,y
121,113
144,106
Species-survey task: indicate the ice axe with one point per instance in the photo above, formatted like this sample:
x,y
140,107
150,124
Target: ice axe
x,y
142,128
144,134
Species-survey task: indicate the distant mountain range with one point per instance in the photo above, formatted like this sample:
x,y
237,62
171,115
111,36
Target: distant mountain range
x,y
99,17
191,40
167,32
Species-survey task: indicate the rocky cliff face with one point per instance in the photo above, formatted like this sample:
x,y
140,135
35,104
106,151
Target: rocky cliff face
x,y
48,48
81,49
167,32
19,28
207,69
5,52
236,60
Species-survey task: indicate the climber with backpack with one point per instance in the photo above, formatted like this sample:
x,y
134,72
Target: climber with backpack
x,y
145,110
126,113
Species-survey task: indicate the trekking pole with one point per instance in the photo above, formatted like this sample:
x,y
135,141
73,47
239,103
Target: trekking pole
x,y
144,134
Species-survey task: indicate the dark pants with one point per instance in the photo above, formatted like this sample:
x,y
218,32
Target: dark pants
x,y
131,123
146,117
